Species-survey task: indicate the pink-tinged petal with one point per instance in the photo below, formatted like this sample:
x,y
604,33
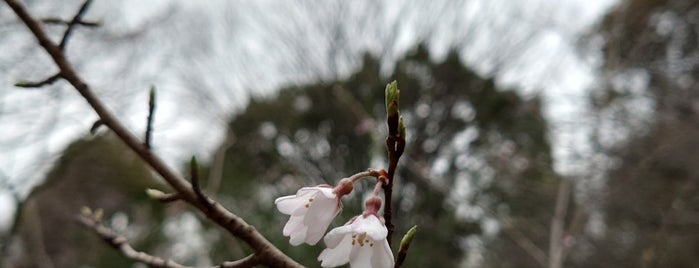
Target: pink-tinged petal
x,y
294,224
327,192
338,255
382,256
309,191
361,256
372,226
335,236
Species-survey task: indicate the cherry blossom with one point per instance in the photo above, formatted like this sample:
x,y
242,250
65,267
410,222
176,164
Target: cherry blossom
x,y
311,210
361,242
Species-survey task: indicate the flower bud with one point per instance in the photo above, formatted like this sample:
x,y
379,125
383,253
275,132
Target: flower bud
x,y
373,204
344,187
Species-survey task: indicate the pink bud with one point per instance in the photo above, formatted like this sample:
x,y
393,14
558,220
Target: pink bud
x,y
373,204
344,187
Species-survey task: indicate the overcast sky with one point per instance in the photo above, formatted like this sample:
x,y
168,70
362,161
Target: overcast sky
x,y
233,49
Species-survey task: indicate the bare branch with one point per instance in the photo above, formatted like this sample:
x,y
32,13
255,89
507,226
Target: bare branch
x,y
194,170
161,196
249,261
169,198
120,243
151,113
395,143
73,23
47,81
65,22
267,253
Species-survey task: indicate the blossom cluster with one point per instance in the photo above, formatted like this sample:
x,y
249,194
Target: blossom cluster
x,y
361,242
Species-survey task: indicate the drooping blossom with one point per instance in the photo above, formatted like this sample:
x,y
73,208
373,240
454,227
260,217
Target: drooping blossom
x,y
311,210
361,242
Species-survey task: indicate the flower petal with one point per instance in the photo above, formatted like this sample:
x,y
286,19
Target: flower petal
x,y
382,256
294,224
315,233
319,216
290,204
338,255
361,256
372,226
335,236
327,192
322,210
298,237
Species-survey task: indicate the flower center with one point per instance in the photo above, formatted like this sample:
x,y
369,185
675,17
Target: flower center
x,y
361,239
310,200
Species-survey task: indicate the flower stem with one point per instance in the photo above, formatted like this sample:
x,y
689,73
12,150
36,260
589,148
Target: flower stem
x,y
395,143
369,173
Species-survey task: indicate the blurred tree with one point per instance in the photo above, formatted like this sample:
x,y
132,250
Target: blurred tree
x,y
97,172
476,155
650,203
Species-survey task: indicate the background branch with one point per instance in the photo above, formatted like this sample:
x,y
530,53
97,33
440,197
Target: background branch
x,y
151,114
65,22
75,21
556,245
49,80
120,243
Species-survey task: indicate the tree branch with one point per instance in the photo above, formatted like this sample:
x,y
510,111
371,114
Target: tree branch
x,y
120,243
556,246
75,21
395,143
65,22
267,253
49,80
151,114
194,173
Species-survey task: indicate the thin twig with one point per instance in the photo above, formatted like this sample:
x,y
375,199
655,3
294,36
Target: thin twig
x,y
161,196
248,261
149,121
267,253
395,143
96,126
120,243
171,197
194,173
65,22
49,80
75,21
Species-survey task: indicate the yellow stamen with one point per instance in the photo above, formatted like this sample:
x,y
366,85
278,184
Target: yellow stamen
x,y
361,239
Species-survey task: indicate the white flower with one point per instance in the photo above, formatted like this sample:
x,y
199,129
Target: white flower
x,y
361,242
311,210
